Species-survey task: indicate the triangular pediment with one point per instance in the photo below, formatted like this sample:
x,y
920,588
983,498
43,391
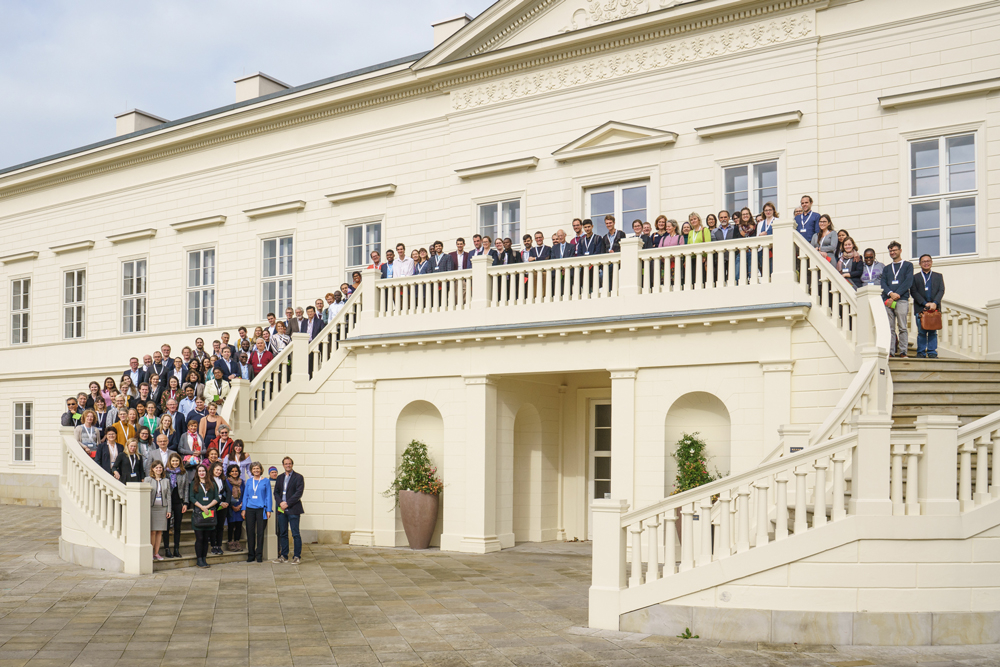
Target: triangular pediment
x,y
509,23
614,137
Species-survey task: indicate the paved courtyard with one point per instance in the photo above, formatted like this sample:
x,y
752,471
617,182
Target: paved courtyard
x,y
351,606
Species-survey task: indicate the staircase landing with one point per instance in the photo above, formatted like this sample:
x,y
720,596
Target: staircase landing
x,y
967,389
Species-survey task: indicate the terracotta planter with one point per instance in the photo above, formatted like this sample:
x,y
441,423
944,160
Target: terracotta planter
x,y
419,512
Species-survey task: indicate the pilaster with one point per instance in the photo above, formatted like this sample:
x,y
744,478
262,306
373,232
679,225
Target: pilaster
x,y
480,532
623,434
364,523
777,407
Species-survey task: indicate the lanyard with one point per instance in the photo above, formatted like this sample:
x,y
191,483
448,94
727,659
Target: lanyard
x,y
256,486
89,430
586,244
870,272
895,271
611,241
927,281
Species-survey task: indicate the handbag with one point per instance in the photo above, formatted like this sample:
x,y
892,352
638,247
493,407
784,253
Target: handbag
x,y
203,519
930,320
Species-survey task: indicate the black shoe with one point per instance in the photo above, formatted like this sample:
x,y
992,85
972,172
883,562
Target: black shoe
x,y
250,559
177,553
167,553
260,560
202,563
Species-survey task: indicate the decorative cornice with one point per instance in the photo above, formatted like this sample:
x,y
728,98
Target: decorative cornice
x,y
519,164
132,236
660,56
188,225
275,209
623,373
480,380
761,122
777,366
928,95
364,384
70,247
18,257
648,138
362,193
511,27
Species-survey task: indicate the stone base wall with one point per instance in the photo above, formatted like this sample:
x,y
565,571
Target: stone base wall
x,y
29,489
811,627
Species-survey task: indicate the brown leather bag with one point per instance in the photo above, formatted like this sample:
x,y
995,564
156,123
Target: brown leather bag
x,y
930,320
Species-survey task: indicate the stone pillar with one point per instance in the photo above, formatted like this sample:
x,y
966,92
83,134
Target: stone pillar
x,y
300,358
480,532
364,489
480,281
783,230
938,466
369,296
871,466
138,549
608,574
623,434
628,282
777,407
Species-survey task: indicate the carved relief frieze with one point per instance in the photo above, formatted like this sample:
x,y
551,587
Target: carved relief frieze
x,y
651,57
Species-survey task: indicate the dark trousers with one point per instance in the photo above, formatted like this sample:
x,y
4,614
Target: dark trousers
x,y
201,540
220,526
256,523
285,523
235,530
174,522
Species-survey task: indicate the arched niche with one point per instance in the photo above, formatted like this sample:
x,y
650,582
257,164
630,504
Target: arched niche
x,y
422,421
702,413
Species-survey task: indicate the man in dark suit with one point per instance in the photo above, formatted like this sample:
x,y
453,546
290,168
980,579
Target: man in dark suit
x,y
313,323
168,361
561,249
291,324
461,259
135,372
440,262
614,238
229,368
540,252
897,279
387,270
288,489
159,366
927,291
245,368
109,451
479,248
589,243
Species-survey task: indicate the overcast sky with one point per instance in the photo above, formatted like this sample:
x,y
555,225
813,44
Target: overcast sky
x,y
67,67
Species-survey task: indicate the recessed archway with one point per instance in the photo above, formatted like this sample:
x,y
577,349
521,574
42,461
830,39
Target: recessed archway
x,y
702,413
422,421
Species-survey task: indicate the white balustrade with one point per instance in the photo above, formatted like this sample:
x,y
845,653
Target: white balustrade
x,y
554,281
700,266
831,293
964,330
428,293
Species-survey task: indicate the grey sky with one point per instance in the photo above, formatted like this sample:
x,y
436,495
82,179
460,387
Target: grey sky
x,y
67,67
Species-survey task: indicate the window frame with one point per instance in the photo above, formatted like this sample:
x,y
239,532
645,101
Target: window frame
x,y
81,304
499,201
944,195
188,289
24,312
23,433
278,310
618,188
754,200
134,297
366,254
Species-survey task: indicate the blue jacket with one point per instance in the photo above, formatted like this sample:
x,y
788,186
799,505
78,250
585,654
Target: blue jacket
x,y
263,494
594,247
903,274
808,225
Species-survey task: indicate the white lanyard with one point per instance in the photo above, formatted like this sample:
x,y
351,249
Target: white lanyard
x,y
89,430
611,241
870,272
847,265
927,281
586,244
256,486
437,260
895,271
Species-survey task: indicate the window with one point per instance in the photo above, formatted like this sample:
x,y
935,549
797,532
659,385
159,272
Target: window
x,y
20,302
201,288
276,276
134,296
626,202
22,433
73,291
362,239
501,219
943,195
750,185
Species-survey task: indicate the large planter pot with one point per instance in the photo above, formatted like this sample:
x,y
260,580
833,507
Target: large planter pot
x,y
419,512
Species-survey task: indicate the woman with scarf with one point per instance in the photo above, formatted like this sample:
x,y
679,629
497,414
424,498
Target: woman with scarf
x,y
235,517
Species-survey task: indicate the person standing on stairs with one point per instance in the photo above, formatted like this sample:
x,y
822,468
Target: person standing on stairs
x,y
928,291
179,488
897,279
204,496
256,503
159,502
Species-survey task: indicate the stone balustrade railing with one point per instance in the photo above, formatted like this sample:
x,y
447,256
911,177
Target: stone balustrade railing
x,y
964,330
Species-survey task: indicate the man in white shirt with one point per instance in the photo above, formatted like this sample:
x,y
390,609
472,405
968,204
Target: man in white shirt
x,y
460,258
338,303
402,266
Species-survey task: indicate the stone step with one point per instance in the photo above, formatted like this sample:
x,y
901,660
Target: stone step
x,y
934,387
189,560
962,410
931,375
930,399
912,363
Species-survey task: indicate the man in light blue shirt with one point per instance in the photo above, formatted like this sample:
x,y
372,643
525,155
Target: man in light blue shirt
x,y
187,403
807,223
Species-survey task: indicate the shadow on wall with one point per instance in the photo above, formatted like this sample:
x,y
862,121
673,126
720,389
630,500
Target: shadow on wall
x,y
422,421
705,414
535,479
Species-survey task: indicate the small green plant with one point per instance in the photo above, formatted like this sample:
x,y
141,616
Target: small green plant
x,y
415,473
692,463
687,634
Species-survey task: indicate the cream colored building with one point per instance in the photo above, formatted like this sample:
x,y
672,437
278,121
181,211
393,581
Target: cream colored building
x,y
535,112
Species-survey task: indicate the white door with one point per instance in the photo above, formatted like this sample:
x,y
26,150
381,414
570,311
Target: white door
x,y
599,445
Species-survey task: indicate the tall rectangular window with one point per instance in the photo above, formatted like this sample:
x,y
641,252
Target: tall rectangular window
x,y
134,287
23,423
501,219
943,195
627,202
276,276
362,239
201,288
20,306
74,286
750,185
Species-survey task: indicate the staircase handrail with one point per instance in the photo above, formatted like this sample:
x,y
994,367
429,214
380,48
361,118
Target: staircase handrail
x,y
983,427
854,397
824,266
964,308
345,318
101,506
965,329
786,463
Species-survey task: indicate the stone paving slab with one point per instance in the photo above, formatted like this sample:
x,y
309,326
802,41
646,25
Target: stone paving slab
x,y
348,606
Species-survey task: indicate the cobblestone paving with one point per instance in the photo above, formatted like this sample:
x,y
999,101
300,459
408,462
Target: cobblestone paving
x,y
351,606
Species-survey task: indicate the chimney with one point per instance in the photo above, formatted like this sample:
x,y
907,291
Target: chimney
x,y
257,85
135,120
445,29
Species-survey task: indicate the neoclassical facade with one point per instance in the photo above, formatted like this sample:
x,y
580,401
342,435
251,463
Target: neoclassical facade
x,y
535,400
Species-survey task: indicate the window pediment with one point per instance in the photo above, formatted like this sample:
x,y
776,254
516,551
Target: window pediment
x,y
614,137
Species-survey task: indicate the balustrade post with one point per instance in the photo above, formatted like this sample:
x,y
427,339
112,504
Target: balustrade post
x,y
480,281
838,511
237,415
991,339
608,573
870,467
653,544
866,322
724,538
705,519
783,232
687,537
743,520
781,508
762,521
138,549
300,358
628,273
794,438
369,295
636,578
669,543
801,518
938,464
982,470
